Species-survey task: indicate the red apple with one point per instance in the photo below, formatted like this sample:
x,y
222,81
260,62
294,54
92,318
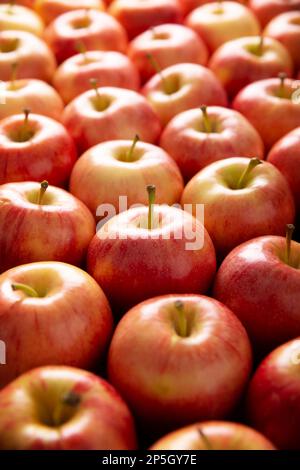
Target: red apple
x,y
17,17
274,396
26,3
94,29
63,408
266,10
51,9
40,224
109,69
197,138
66,318
245,60
34,149
34,58
110,113
219,22
214,435
169,44
260,282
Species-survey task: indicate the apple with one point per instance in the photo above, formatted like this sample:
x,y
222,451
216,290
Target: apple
x,y
274,396
198,137
169,44
18,17
243,199
109,68
266,10
182,87
245,60
137,16
260,282
214,435
219,22
64,408
35,148
286,29
40,224
94,29
189,5
51,9
34,58
122,168
110,113
25,3
269,105
285,155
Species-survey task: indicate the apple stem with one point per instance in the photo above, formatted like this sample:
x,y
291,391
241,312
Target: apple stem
x,y
182,321
24,131
29,291
131,150
94,85
11,6
151,199
80,47
251,165
13,77
282,76
289,235
206,120
205,439
260,46
43,189
69,399
220,7
158,70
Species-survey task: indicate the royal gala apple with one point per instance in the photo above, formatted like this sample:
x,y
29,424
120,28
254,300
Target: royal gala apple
x,y
51,9
66,318
274,396
35,148
214,435
179,359
219,22
122,169
248,59
168,45
109,69
17,17
94,29
243,199
65,409
41,223
265,10
260,282
110,113
198,137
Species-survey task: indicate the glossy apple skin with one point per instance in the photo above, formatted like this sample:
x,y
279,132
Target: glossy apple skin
x,y
68,296
190,5
169,380
58,230
193,149
128,114
216,28
273,117
169,44
255,279
103,33
232,216
236,66
101,175
109,68
32,94
194,86
34,58
21,18
51,9
133,264
138,16
101,409
266,10
285,155
286,29
274,396
222,435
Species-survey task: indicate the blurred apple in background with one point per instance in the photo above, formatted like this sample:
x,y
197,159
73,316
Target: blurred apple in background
x,y
94,29
168,44
248,59
266,10
137,16
41,223
26,3
66,318
62,407
17,17
35,148
214,435
199,137
50,9
243,199
219,22
109,69
110,113
274,396
33,56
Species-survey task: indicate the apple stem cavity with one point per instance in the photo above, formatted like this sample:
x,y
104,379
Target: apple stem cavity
x,y
205,439
80,47
182,321
158,70
260,46
43,189
254,162
151,199
282,76
29,291
68,402
289,236
129,154
11,7
25,133
206,120
220,8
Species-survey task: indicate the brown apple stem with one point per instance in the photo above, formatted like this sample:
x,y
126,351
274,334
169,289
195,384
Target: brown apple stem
x,y
251,165
80,47
24,133
289,236
131,150
182,321
158,70
13,77
220,7
29,291
151,199
206,120
43,189
205,439
68,401
282,76
260,46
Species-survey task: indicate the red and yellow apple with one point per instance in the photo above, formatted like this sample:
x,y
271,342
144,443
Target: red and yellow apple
x,y
51,9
